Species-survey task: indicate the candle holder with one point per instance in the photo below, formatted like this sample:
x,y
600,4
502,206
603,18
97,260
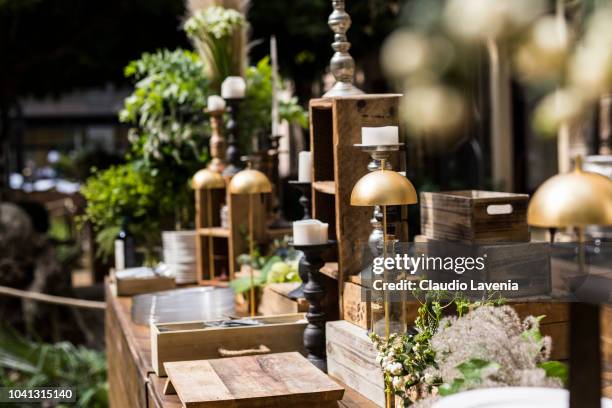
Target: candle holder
x,y
250,182
314,292
342,65
305,187
233,154
384,188
378,153
577,199
217,141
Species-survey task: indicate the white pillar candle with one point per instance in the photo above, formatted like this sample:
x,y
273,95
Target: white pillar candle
x,y
375,136
233,87
309,232
304,168
215,103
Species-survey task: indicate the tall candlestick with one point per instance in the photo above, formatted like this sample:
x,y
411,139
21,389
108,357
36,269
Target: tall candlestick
x,y
314,292
304,167
342,65
233,154
274,61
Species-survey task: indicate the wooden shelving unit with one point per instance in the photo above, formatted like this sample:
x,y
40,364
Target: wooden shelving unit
x,y
335,126
230,242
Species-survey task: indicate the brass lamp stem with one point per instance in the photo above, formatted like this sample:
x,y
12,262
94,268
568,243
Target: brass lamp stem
x,y
389,394
581,250
211,261
251,254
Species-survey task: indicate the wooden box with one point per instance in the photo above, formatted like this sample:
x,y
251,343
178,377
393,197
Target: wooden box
x,y
474,216
197,340
136,286
275,300
351,358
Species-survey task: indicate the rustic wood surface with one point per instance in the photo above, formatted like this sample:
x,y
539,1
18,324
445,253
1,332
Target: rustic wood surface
x,y
194,341
275,300
132,381
462,216
283,379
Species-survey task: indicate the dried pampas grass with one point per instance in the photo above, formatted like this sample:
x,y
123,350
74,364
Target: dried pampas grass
x,y
239,5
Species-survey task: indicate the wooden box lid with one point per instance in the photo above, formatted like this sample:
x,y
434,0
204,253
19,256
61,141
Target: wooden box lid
x,y
282,379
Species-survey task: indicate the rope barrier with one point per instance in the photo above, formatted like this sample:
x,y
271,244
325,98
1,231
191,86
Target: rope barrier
x,y
58,300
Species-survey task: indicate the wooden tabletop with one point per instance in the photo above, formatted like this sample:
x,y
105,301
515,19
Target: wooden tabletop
x,y
132,381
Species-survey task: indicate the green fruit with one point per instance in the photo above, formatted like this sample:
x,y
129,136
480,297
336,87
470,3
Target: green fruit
x,y
278,272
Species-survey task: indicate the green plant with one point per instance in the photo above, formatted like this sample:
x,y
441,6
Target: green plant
x,y
256,119
127,190
166,109
30,364
406,359
217,34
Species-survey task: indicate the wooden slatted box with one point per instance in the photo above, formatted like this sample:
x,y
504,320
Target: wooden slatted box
x,y
474,216
198,340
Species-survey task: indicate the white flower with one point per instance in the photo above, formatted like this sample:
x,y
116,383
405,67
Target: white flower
x,y
399,382
395,368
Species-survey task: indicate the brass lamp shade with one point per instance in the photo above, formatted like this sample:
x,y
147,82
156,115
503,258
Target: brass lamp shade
x,y
250,181
574,199
383,187
207,179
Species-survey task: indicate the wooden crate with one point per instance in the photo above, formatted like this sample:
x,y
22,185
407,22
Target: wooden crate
x,y
474,216
335,126
133,286
197,340
351,358
275,300
515,261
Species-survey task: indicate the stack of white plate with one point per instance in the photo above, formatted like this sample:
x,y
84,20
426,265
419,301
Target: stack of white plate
x,y
183,305
180,254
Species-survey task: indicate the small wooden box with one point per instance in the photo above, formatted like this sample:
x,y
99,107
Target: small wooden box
x,y
475,216
136,286
275,300
197,340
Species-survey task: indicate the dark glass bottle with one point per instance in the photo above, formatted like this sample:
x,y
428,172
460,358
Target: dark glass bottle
x,y
125,252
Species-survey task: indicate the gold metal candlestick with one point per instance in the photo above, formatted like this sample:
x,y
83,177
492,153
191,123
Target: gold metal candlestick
x,y
577,199
383,188
208,180
251,182
217,141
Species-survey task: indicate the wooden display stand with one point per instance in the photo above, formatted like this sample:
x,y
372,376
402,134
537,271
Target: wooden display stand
x,y
230,242
335,126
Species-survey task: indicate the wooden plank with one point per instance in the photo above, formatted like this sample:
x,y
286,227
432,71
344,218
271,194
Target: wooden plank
x,y
282,379
327,187
351,358
355,310
330,269
127,358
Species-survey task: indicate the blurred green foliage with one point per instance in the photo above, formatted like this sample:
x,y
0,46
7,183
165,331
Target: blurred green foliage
x,y
29,364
